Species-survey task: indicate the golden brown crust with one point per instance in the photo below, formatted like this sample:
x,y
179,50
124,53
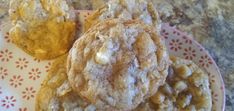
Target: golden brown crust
x,y
43,29
117,64
126,10
93,19
52,81
55,93
186,88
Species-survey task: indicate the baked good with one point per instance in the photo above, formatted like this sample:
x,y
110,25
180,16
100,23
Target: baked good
x,y
117,64
44,29
126,10
55,93
186,89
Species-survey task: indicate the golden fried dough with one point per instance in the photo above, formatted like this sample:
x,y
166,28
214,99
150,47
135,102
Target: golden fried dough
x,y
118,64
186,89
44,29
126,10
55,93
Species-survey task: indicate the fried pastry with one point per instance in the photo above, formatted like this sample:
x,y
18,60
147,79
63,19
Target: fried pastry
x,y
44,29
117,64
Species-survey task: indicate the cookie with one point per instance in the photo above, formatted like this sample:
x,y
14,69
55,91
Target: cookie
x,y
55,93
125,10
186,89
44,29
117,64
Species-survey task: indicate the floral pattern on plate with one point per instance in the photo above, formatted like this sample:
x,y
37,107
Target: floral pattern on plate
x,y
21,75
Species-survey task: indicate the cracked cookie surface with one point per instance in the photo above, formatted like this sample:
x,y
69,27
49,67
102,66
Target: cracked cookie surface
x,y
126,10
117,64
186,89
56,94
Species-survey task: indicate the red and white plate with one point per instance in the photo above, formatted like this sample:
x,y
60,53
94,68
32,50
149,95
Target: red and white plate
x,y
21,74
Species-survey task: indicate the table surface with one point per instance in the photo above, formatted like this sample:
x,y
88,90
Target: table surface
x,y
210,22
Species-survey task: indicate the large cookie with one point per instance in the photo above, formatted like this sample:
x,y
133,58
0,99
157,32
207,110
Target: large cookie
x,y
55,93
126,10
117,64
44,29
186,89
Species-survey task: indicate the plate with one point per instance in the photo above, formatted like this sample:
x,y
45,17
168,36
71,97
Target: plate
x,y
21,75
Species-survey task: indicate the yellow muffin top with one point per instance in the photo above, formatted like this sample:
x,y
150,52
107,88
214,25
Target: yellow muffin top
x,y
43,28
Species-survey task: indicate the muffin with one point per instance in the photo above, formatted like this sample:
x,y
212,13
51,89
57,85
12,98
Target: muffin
x,y
118,64
126,10
44,29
